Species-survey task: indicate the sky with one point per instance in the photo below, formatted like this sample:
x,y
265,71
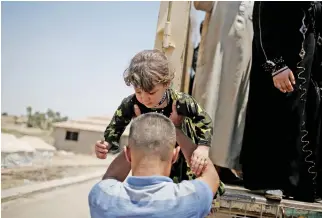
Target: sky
x,y
70,56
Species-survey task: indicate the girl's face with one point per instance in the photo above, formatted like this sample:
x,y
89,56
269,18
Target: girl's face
x,y
151,99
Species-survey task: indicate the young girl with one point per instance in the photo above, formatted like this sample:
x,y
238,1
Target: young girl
x,y
150,75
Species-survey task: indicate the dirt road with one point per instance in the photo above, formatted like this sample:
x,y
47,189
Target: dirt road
x,y
68,202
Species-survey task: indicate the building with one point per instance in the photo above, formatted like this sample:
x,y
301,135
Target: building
x,y
79,136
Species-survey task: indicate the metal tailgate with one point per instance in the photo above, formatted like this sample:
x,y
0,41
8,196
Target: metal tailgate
x,y
239,202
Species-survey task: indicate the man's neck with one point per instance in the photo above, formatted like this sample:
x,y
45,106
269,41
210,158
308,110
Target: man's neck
x,y
147,168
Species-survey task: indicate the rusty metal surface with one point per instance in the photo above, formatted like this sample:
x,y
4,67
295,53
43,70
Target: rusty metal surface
x,y
238,202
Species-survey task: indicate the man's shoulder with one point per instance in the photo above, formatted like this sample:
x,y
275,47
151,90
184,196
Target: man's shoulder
x,y
193,186
109,183
112,187
196,194
103,197
202,193
105,188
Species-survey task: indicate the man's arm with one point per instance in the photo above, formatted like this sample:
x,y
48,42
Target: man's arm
x,y
119,169
209,175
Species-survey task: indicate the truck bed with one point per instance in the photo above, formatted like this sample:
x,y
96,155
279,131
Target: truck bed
x,y
240,202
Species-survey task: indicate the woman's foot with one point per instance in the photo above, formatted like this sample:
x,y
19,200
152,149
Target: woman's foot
x,y
229,176
276,195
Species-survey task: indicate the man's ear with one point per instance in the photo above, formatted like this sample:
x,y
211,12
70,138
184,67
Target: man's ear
x,y
127,153
175,156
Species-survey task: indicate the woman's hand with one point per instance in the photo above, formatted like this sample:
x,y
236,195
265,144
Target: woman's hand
x,y
199,159
283,81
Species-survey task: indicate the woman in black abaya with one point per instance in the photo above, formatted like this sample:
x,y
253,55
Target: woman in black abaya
x,y
282,139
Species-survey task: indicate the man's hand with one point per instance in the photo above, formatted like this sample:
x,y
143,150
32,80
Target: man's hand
x,y
137,110
174,117
101,149
199,159
284,80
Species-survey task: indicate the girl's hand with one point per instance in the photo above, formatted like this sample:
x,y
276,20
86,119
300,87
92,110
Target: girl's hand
x,y
199,159
101,149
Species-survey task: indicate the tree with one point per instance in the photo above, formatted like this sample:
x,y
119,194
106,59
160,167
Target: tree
x,y
4,114
64,118
42,120
29,111
57,115
29,115
50,114
15,119
36,119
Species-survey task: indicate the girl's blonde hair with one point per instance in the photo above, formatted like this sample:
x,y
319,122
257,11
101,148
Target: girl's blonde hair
x,y
147,69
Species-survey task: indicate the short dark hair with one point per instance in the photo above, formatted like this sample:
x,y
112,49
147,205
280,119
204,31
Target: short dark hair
x,y
154,133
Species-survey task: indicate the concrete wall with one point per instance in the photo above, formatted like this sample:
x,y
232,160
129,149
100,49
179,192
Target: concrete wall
x,y
85,143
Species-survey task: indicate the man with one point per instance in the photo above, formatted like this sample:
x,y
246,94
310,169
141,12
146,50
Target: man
x,y
150,192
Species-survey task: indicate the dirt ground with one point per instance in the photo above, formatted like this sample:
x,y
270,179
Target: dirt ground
x,y
59,167
20,177
65,202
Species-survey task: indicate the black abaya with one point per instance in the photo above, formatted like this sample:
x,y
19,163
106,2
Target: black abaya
x,y
282,139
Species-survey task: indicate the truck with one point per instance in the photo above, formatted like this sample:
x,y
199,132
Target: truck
x,y
173,36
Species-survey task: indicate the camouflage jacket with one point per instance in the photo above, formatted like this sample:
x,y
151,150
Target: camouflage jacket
x,y
197,123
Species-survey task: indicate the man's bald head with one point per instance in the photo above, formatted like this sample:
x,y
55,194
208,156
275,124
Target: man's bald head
x,y
153,134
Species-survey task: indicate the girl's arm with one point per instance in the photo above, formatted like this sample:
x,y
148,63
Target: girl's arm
x,y
187,106
122,117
